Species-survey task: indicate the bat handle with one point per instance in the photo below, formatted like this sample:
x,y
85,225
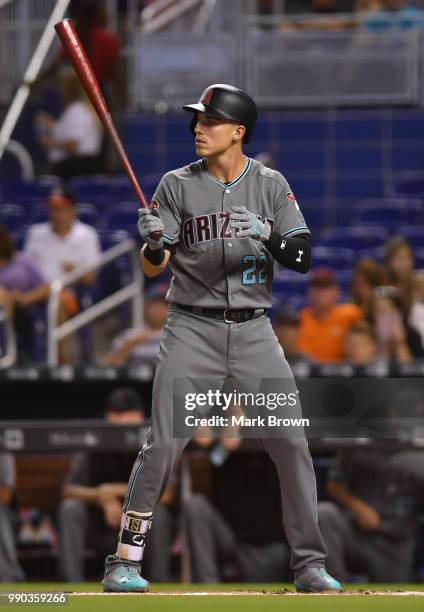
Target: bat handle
x,y
155,235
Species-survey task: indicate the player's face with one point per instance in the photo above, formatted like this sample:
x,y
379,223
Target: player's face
x,y
214,136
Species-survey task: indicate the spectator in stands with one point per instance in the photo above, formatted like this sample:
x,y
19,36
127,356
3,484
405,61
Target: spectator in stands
x,y
366,276
21,286
142,344
287,329
63,243
10,570
395,14
370,526
361,347
401,273
100,44
396,338
93,493
325,323
72,142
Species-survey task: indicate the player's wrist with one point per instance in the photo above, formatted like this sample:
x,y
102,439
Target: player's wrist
x,y
154,255
266,232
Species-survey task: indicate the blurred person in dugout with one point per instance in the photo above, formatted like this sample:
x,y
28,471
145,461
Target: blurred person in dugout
x,y
73,142
142,344
396,14
225,543
286,324
396,338
325,323
402,273
10,570
93,493
370,524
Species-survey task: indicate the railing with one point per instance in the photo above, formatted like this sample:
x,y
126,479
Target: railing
x,y
9,357
15,50
132,292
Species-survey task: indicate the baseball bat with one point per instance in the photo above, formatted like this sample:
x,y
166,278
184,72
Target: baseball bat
x,y
70,40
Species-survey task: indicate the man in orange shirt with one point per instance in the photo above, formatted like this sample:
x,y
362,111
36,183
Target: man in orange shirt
x,y
325,323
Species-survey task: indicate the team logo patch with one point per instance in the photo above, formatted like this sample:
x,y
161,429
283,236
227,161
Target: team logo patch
x,y
291,196
207,98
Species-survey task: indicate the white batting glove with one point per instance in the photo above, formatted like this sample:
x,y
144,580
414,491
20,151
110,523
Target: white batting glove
x,y
248,225
149,221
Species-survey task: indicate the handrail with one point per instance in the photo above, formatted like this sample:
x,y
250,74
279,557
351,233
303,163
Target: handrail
x,y
159,15
9,358
31,72
133,292
24,158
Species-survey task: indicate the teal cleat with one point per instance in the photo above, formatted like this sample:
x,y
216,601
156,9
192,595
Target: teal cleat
x,y
316,580
124,579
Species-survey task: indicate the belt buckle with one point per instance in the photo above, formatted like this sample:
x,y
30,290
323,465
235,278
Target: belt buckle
x,y
225,316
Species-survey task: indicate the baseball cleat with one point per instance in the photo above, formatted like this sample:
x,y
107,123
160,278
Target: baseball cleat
x,y
124,579
316,580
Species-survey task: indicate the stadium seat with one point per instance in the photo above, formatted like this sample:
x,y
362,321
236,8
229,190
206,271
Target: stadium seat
x,y
12,216
122,217
414,234
21,192
390,212
88,213
94,189
409,183
337,258
355,238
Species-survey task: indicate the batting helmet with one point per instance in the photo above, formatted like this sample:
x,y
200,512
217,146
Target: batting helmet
x,y
226,102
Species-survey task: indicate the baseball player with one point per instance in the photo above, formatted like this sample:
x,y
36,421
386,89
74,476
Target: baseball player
x,y
219,224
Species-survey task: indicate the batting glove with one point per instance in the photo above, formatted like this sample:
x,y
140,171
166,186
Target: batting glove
x,y
247,224
149,221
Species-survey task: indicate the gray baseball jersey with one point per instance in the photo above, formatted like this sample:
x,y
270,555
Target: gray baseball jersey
x,y
211,266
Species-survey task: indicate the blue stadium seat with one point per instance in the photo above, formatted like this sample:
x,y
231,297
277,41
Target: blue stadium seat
x,y
336,258
94,189
12,216
88,213
409,183
122,217
26,191
419,258
389,212
414,234
355,238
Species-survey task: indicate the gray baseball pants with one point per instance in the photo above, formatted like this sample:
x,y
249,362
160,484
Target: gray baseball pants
x,y
197,347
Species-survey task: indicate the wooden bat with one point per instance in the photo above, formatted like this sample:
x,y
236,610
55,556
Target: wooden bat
x,y
70,40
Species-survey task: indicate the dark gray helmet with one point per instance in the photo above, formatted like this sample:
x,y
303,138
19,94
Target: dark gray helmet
x,y
226,102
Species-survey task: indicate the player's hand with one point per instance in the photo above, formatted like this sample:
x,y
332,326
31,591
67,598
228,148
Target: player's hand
x,y
149,221
112,512
366,517
247,224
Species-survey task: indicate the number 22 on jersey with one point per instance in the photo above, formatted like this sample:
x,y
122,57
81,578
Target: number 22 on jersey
x,y
254,270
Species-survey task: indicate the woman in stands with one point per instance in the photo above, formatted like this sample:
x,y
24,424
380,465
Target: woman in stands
x,y
366,276
73,143
401,273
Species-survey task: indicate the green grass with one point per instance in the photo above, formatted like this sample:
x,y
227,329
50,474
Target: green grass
x,y
267,602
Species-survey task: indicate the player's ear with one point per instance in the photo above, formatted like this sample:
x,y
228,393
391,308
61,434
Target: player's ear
x,y
239,132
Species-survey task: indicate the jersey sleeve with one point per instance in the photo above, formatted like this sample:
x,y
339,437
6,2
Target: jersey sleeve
x,y
288,219
168,211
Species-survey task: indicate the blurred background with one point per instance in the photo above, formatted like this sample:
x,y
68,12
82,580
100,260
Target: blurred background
x,y
341,97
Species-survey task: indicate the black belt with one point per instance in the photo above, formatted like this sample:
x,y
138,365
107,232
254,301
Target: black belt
x,y
228,315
